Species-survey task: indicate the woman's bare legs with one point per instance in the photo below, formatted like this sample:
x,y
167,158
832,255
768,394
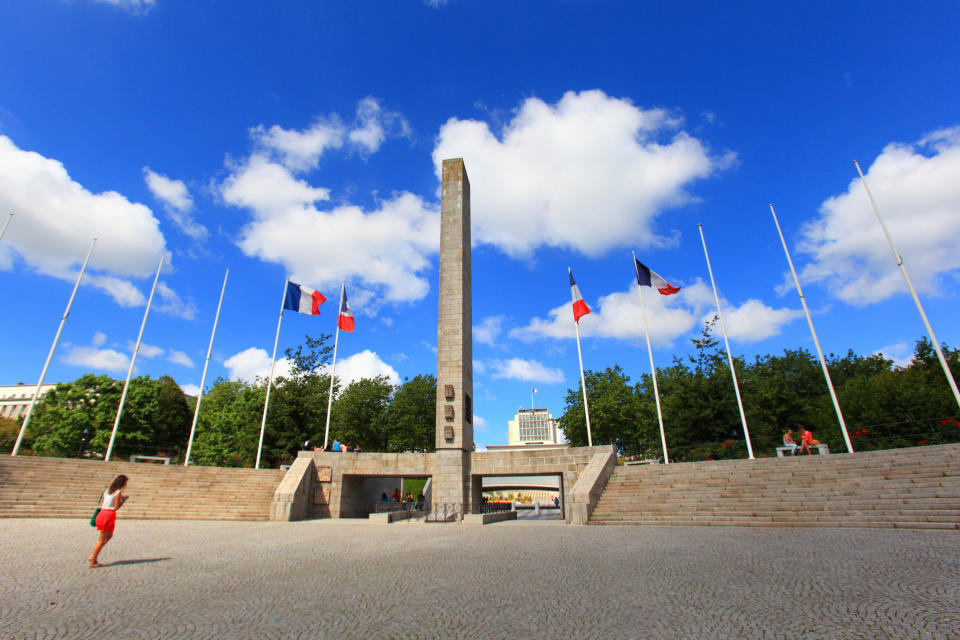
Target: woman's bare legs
x,y
101,541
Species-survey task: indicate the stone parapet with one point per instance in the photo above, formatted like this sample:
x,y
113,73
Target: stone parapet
x,y
291,500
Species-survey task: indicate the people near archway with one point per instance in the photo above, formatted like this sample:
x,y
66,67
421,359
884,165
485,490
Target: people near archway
x,y
396,497
420,501
788,441
336,445
383,497
356,448
409,496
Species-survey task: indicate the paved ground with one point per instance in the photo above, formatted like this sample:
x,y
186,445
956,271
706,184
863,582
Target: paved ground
x,y
510,580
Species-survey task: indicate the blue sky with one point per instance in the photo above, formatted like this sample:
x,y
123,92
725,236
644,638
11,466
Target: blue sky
x,y
303,140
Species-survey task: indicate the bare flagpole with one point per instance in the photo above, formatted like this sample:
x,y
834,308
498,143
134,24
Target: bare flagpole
x,y
806,311
816,343
916,300
273,361
723,327
5,225
203,378
583,386
333,367
653,369
133,361
53,347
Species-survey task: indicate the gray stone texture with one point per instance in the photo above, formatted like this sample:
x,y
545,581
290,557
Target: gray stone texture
x,y
356,479
348,579
455,312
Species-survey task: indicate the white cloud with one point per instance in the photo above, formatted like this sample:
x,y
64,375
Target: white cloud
x,y
488,330
754,321
97,359
170,303
181,358
917,191
190,389
385,251
132,6
148,350
301,150
253,363
373,123
56,220
173,193
901,353
618,315
177,201
99,338
366,364
522,369
555,168
479,367
479,424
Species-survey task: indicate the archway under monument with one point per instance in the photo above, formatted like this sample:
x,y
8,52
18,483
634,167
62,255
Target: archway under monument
x,y
338,485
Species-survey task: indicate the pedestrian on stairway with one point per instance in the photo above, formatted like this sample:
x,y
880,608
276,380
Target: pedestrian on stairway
x,y
113,499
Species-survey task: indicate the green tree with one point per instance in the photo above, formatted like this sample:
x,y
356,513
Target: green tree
x,y
614,411
228,427
411,415
9,430
360,414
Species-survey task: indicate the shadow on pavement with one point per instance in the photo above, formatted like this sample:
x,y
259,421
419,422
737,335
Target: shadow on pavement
x,y
137,561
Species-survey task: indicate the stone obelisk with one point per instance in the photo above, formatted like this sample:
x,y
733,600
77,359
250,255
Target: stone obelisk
x,y
451,480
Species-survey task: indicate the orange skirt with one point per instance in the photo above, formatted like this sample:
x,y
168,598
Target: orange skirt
x,y
106,520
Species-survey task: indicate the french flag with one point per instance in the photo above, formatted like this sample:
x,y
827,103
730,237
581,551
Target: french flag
x,y
345,319
580,307
303,299
647,278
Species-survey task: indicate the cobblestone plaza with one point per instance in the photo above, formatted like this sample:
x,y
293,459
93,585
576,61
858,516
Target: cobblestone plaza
x,y
350,579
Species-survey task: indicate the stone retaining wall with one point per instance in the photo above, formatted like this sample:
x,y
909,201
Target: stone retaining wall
x,y
328,484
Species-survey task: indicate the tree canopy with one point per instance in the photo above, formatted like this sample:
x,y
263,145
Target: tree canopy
x,y
883,405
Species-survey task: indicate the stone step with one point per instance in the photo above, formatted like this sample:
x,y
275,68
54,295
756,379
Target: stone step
x,y
51,487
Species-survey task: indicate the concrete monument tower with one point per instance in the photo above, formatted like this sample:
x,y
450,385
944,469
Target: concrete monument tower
x,y
454,438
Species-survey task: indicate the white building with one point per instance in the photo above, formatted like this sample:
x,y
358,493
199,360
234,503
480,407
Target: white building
x,y
15,398
532,428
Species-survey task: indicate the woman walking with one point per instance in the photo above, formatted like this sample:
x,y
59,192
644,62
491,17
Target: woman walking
x,y
113,499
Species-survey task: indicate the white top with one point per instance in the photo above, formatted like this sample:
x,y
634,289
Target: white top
x,y
109,500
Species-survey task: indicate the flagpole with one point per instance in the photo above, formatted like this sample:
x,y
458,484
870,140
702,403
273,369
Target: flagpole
x,y
133,361
203,377
5,225
653,369
806,311
583,386
723,327
333,367
916,300
273,361
53,347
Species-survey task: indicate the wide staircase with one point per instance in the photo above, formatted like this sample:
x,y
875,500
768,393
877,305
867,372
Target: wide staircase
x,y
917,488
35,487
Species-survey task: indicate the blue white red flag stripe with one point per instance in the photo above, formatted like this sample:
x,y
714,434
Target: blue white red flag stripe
x,y
580,307
648,278
345,319
303,299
